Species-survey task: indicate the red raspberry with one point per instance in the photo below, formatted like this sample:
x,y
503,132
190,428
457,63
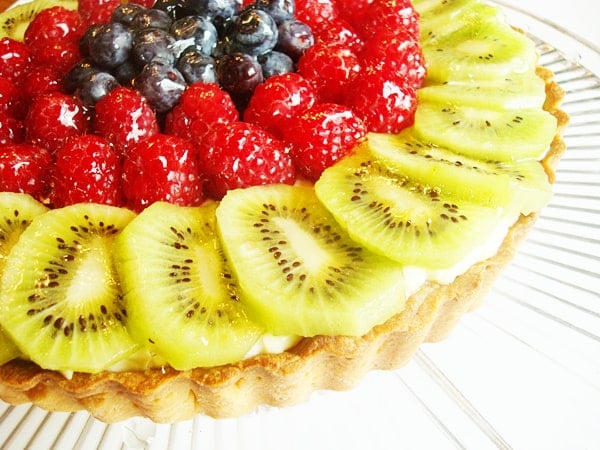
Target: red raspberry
x,y
54,24
12,100
329,68
162,168
321,136
11,129
278,99
15,59
40,81
315,12
204,105
53,118
240,155
25,168
384,103
396,52
58,55
87,169
124,118
339,31
391,15
353,11
97,11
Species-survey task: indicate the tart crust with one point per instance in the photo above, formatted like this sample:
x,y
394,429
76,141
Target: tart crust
x,y
166,395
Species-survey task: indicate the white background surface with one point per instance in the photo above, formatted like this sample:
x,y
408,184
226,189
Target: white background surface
x,y
581,17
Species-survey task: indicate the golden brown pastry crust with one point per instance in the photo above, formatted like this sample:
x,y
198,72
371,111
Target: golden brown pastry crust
x,y
336,363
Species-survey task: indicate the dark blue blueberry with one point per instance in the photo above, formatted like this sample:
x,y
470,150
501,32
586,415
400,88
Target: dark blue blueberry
x,y
161,84
295,38
125,73
78,72
150,44
125,13
196,67
275,63
255,32
95,86
110,45
280,10
217,10
151,18
239,74
195,30
176,9
84,42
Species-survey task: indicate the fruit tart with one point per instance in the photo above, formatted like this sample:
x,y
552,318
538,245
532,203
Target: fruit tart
x,y
211,206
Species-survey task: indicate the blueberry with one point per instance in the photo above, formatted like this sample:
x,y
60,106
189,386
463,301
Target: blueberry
x,y
255,32
275,63
239,74
78,72
152,43
280,10
88,35
161,85
176,9
110,45
125,73
218,10
196,67
196,30
295,38
125,13
151,18
95,86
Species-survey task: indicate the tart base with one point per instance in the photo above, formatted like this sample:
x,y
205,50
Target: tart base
x,y
165,395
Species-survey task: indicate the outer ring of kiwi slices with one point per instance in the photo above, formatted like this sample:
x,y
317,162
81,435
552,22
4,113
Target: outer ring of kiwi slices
x,y
336,363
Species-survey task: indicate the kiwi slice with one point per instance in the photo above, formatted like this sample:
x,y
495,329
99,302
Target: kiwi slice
x,y
482,133
517,91
16,212
14,21
299,270
521,186
443,17
482,50
183,301
61,302
411,222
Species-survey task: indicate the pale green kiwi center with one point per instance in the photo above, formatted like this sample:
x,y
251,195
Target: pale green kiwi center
x,y
210,271
401,200
303,244
94,275
474,47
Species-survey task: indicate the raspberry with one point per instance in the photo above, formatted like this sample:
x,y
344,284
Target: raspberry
x,y
339,31
53,118
15,59
162,168
391,15
396,52
54,24
58,55
24,168
321,136
384,103
277,100
329,68
124,118
12,101
40,81
96,11
11,129
201,107
240,155
86,169
353,11
315,12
